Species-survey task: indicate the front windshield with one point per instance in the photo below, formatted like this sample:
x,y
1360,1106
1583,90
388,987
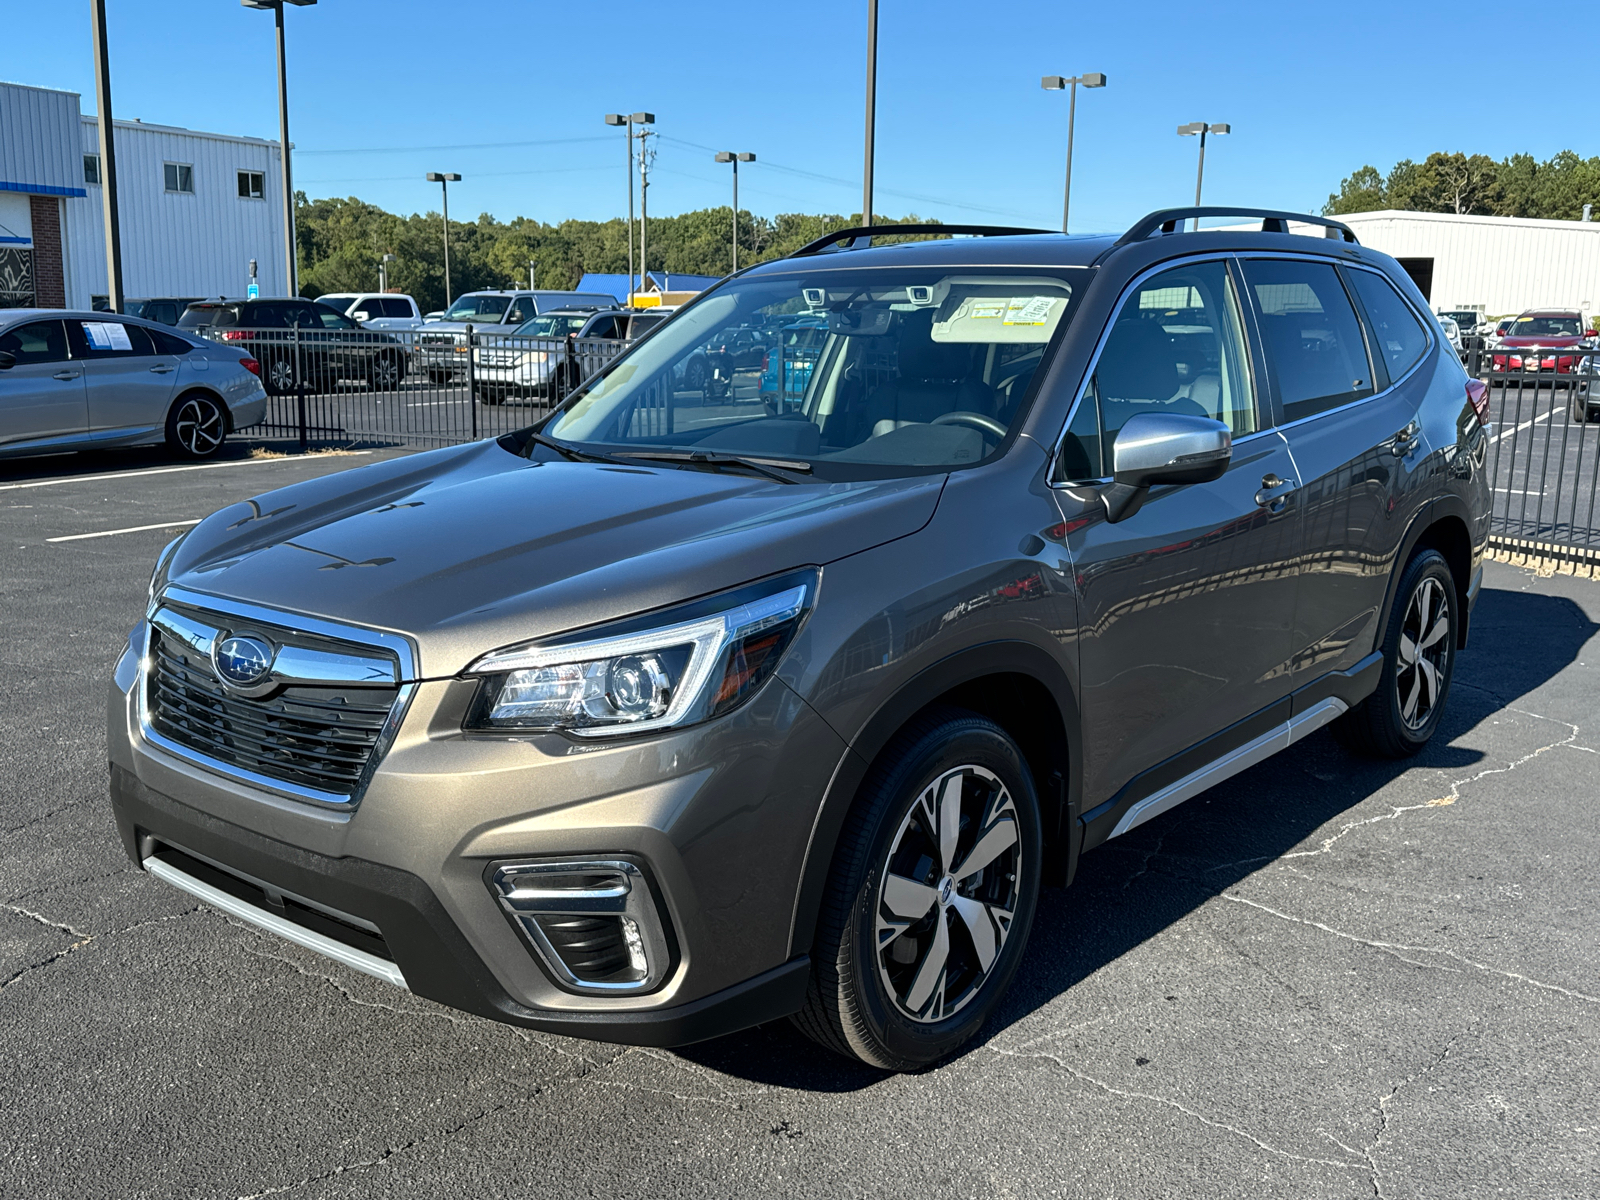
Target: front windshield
x,y
342,303
553,325
1545,327
470,308
888,369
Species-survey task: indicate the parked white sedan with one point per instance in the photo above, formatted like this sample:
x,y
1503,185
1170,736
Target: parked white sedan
x,y
76,380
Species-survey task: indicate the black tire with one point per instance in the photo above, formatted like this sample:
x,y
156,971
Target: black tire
x,y
888,1001
197,425
695,376
386,373
1580,406
1402,715
277,374
439,377
484,396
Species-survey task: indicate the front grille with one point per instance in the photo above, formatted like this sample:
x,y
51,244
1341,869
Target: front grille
x,y
313,737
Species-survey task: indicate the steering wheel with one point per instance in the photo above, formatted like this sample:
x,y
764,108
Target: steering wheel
x,y
976,420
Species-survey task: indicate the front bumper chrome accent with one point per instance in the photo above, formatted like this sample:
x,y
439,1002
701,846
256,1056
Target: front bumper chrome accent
x,y
359,960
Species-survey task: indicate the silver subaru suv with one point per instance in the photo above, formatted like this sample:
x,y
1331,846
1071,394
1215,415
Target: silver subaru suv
x,y
671,714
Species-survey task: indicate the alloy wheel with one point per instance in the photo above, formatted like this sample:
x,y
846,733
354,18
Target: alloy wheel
x,y
280,374
1423,653
200,426
385,373
948,894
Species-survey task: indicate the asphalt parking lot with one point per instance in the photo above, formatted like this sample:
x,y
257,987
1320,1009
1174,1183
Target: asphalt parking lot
x,y
1324,978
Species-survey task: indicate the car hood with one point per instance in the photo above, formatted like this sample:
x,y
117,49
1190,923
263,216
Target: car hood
x,y
1542,343
472,548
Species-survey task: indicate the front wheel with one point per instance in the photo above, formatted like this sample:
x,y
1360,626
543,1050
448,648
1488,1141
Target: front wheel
x,y
385,373
196,426
1419,655
930,896
1580,405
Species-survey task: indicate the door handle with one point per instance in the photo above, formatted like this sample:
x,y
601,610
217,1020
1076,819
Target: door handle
x,y
65,375
1274,493
1405,441
162,369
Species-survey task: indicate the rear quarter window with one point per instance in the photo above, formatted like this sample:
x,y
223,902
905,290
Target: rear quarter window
x,y
1397,335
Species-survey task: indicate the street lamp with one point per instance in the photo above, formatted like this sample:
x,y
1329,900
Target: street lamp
x,y
383,271
727,156
1057,83
619,120
283,137
1201,128
444,180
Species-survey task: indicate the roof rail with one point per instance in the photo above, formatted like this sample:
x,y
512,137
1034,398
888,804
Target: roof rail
x,y
1167,220
822,244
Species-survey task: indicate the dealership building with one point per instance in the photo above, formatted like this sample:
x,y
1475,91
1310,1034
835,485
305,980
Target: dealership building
x,y
194,208
1496,265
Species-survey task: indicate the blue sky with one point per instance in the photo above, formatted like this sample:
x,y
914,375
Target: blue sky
x,y
380,93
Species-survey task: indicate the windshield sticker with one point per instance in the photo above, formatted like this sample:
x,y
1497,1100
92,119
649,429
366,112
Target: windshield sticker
x,y
984,310
106,335
1033,310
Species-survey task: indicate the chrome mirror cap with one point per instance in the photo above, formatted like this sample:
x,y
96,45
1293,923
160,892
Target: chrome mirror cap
x,y
1157,448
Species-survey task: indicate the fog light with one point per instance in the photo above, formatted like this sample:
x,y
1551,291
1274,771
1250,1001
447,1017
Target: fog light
x,y
595,925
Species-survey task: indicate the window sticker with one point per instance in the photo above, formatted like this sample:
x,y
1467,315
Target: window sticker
x,y
1030,310
107,335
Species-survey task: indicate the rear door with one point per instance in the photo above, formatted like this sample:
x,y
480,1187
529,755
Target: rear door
x,y
130,382
42,394
1185,607
1349,413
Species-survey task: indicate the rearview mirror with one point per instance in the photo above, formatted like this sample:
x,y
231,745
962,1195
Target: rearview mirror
x,y
1163,448
7,360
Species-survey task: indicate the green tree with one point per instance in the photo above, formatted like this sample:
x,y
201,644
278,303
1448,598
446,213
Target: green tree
x,y
1362,191
1516,186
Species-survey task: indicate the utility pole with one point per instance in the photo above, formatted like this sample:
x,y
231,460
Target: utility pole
x,y
646,157
872,105
108,159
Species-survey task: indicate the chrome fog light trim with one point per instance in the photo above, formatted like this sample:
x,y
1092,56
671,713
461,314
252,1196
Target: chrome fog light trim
x,y
594,923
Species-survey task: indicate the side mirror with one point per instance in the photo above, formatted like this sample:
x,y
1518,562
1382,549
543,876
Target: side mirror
x,y
362,315
7,360
1163,448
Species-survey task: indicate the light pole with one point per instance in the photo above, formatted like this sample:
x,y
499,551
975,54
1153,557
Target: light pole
x,y
1056,83
872,107
383,271
629,121
1201,128
727,156
108,160
444,180
293,274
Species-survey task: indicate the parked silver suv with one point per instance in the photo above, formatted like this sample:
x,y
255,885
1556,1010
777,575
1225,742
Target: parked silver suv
x,y
788,704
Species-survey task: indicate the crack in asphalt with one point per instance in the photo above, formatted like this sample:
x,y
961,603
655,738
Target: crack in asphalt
x,y
1394,948
83,938
1343,1164
336,985
1369,1151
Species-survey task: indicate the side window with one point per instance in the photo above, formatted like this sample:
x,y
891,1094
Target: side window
x,y
389,308
603,327
113,339
36,342
521,310
166,343
1397,335
328,318
1313,340
1176,346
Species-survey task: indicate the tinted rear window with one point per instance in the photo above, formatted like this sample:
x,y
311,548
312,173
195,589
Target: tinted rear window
x,y
202,317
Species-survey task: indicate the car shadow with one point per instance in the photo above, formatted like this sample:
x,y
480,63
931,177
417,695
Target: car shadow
x,y
70,464
1134,887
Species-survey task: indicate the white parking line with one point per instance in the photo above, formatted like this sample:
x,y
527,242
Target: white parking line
x,y
1524,425
243,462
78,537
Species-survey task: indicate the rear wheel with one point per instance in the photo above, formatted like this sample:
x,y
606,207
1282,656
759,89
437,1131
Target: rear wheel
x,y
197,425
278,375
930,896
1419,654
385,373
1580,405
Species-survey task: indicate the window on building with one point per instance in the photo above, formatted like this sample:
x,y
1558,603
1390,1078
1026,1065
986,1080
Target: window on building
x,y
91,168
180,177
252,185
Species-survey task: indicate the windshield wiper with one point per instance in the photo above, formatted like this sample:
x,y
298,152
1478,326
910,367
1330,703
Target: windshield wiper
x,y
566,450
781,469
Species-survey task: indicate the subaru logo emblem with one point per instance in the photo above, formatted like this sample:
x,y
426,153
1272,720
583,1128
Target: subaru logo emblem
x,y
242,661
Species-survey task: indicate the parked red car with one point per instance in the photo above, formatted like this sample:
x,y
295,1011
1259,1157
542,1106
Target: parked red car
x,y
1534,339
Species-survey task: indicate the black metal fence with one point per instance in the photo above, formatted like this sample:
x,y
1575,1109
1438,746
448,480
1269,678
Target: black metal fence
x,y
411,387
1544,448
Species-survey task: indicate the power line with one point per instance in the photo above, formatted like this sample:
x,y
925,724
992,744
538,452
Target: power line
x,y
452,146
475,175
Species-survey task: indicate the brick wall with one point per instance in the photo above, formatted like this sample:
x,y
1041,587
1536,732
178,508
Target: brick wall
x,y
49,277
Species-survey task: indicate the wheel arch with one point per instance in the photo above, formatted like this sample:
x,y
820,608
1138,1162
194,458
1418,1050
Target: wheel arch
x,y
200,389
1444,526
1016,684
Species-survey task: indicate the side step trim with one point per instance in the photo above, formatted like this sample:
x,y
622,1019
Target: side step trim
x,y
359,960
1280,737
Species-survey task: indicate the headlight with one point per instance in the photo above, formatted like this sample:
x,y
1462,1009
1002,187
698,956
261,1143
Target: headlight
x,y
158,577
671,674
532,358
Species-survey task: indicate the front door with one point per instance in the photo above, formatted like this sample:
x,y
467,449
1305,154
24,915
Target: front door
x,y
1355,439
129,382
1184,607
41,394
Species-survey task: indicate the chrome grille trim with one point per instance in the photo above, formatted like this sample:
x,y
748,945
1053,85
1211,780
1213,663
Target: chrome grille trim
x,y
340,756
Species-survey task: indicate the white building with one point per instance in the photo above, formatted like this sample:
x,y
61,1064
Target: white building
x,y
195,208
1497,265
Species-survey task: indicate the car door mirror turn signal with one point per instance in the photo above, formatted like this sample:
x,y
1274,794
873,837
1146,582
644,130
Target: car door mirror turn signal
x,y
1163,448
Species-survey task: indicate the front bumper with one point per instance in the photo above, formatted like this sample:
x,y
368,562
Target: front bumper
x,y
718,816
